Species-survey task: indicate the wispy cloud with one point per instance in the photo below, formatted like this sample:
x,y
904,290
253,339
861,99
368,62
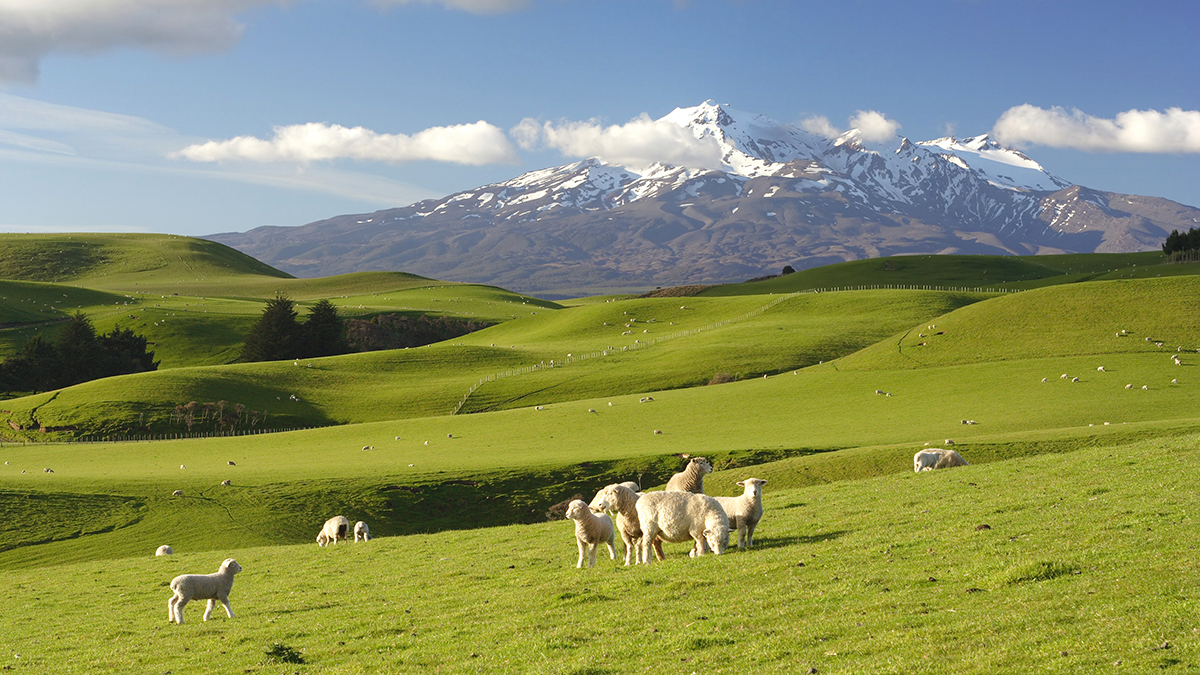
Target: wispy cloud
x,y
32,29
640,142
472,6
1149,131
872,125
474,144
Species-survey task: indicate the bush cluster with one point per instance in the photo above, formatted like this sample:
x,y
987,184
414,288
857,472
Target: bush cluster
x,y
1182,241
393,331
77,355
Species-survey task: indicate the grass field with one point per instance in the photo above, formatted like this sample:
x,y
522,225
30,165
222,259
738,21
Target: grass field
x,y
1084,483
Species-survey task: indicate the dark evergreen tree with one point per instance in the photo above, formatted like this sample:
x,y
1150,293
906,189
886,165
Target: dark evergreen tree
x,y
277,335
125,352
324,331
788,269
30,369
77,353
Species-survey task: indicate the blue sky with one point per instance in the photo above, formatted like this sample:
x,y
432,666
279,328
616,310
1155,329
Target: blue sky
x,y
122,115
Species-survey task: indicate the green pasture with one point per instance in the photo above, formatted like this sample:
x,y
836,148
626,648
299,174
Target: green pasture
x,y
1073,562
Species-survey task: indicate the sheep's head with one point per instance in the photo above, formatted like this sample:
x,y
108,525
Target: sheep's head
x,y
753,486
604,500
717,539
576,509
705,467
231,565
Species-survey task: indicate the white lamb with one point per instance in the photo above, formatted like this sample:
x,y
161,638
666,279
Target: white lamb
x,y
337,527
591,530
936,458
212,587
691,479
164,550
361,532
682,516
745,510
622,500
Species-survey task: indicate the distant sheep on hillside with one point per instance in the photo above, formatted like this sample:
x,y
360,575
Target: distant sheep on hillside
x,y
937,458
337,527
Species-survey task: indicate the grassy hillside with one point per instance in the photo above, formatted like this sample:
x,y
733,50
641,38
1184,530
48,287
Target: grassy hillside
x,y
967,271
1076,562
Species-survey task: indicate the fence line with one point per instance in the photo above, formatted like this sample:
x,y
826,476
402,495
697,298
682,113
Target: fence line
x,y
638,344
140,438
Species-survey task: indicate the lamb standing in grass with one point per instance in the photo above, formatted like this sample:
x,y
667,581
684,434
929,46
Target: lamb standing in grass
x,y
622,500
691,479
337,527
362,531
212,587
682,516
744,511
590,531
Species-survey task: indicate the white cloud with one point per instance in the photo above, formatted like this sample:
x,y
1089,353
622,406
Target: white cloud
x,y
819,125
474,144
638,143
472,6
1151,131
32,29
874,126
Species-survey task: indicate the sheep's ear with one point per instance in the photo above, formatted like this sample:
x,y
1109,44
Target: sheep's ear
x,y
742,483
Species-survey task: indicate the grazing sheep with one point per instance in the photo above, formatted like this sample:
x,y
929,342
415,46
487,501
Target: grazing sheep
x,y
622,499
680,516
361,532
230,463
936,458
658,432
212,587
591,530
1074,379
691,479
1129,386
164,550
226,482
177,493
631,485
1100,369
744,511
949,441
335,528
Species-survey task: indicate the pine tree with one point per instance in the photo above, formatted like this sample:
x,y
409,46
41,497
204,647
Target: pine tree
x,y
324,331
77,353
276,335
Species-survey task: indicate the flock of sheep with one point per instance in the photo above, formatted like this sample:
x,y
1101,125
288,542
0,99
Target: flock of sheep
x,y
681,512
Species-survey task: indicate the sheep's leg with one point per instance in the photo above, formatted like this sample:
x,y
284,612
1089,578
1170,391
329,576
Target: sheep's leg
x,y
649,537
208,610
180,603
582,553
228,609
172,611
592,554
750,534
658,551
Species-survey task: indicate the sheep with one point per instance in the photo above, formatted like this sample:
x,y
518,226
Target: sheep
x,y
362,531
226,482
1101,369
164,550
177,493
335,528
591,530
621,498
949,441
231,463
745,510
936,458
680,516
691,479
212,587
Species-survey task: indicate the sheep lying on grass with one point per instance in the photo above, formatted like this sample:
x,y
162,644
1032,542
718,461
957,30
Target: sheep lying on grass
x,y
680,516
745,510
337,527
591,530
936,458
691,479
361,531
164,550
212,587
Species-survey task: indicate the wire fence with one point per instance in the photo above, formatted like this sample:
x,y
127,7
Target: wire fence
x,y
641,344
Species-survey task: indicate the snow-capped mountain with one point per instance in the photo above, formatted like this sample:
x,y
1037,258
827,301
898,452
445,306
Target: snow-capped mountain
x,y
781,196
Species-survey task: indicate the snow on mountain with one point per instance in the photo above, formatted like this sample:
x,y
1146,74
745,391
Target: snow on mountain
x,y
782,195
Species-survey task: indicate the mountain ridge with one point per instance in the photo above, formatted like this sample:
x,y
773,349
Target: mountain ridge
x,y
780,195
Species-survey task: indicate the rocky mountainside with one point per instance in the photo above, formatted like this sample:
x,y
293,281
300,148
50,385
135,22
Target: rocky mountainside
x,y
782,196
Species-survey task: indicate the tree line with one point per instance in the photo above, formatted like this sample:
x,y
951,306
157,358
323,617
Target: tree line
x,y
1178,242
280,335
77,355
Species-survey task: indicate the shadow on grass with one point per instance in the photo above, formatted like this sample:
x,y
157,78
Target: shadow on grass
x,y
783,542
